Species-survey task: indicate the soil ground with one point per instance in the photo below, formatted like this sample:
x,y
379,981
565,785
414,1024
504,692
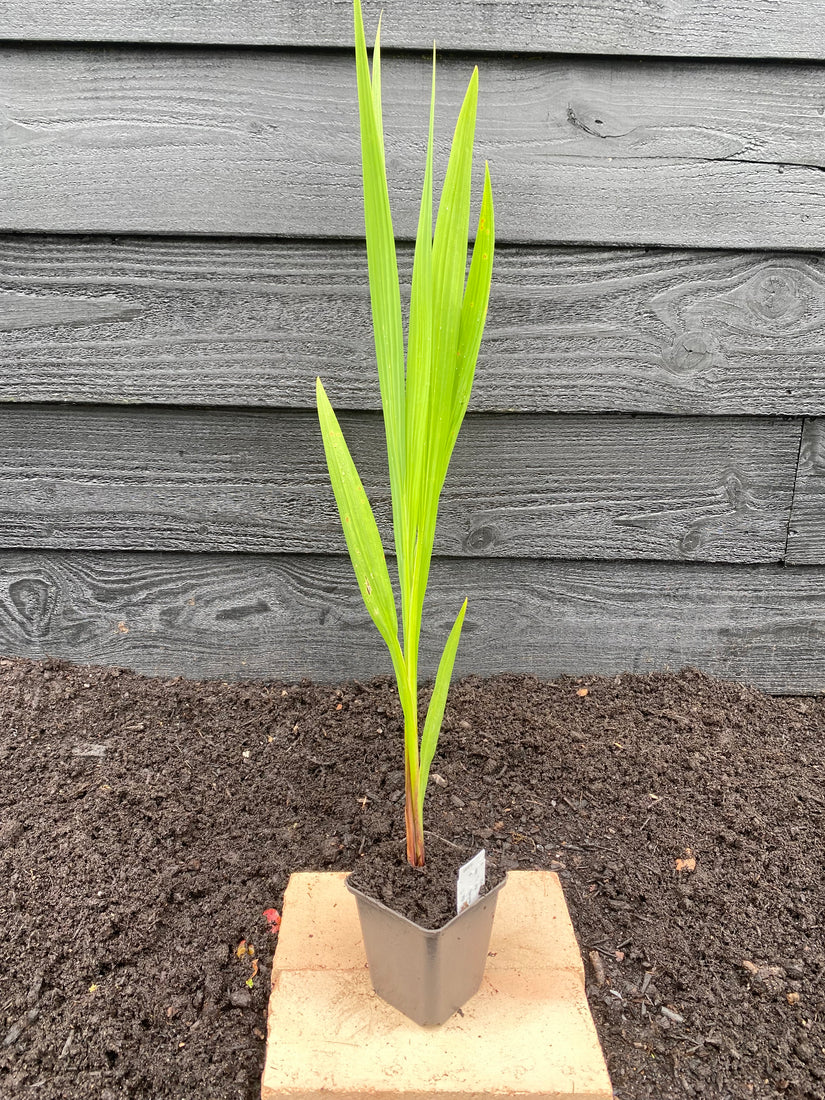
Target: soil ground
x,y
146,825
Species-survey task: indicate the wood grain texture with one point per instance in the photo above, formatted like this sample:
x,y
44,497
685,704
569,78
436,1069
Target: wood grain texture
x,y
251,323
715,489
742,28
806,535
288,617
217,141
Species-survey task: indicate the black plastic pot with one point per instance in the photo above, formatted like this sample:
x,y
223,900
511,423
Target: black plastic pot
x,y
426,973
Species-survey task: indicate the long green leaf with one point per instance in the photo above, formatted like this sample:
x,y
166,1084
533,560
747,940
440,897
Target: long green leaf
x,y
445,277
438,700
473,312
419,380
449,265
360,529
385,294
376,89
449,269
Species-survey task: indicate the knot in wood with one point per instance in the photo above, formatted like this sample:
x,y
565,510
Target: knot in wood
x,y
692,351
480,538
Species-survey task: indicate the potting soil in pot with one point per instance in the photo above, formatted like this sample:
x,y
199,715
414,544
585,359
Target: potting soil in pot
x,y
425,895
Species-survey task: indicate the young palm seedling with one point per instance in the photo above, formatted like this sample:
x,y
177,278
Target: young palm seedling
x,y
423,404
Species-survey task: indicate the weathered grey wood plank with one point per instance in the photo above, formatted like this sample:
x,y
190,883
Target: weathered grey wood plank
x,y
806,536
742,28
204,322
254,142
288,617
715,489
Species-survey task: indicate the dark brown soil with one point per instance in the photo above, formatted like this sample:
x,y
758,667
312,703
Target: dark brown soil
x,y
146,825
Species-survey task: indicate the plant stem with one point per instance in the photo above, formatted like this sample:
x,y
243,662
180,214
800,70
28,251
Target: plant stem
x,y
412,815
414,823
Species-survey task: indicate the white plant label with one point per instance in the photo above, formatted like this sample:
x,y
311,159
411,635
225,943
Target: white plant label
x,y
470,880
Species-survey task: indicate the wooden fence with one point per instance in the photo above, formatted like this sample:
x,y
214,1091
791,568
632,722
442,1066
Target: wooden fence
x,y
640,482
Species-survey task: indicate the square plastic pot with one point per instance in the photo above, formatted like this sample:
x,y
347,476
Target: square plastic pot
x,y
426,973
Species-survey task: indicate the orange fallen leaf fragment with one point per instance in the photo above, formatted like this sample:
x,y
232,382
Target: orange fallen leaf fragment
x,y
582,692
241,949
254,968
273,919
688,863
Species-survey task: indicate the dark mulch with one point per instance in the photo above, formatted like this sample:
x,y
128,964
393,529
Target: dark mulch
x,y
145,826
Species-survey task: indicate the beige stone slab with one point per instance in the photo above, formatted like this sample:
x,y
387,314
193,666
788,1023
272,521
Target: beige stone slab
x,y
319,926
532,928
523,1034
527,1032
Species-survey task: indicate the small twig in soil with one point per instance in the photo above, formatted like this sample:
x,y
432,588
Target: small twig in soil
x,y
518,837
669,714
598,967
443,839
251,722
604,951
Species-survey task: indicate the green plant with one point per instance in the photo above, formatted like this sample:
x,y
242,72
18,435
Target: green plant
x,y
423,409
